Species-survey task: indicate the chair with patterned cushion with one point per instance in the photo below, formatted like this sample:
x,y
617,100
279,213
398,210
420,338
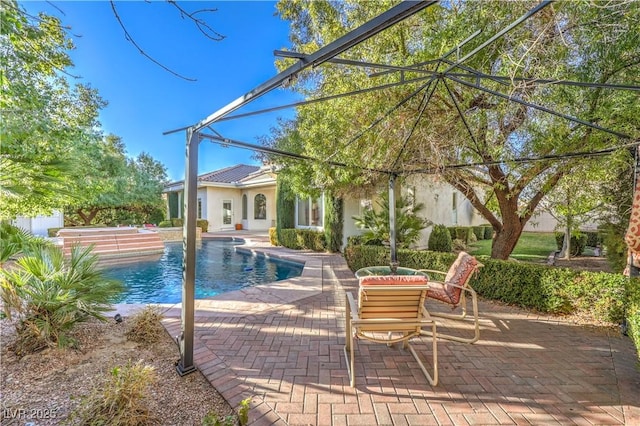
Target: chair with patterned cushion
x,y
389,309
453,290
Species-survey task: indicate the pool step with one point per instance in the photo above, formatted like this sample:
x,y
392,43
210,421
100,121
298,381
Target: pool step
x,y
116,245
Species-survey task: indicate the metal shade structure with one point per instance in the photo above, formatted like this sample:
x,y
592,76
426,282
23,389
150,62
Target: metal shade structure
x,y
369,29
455,72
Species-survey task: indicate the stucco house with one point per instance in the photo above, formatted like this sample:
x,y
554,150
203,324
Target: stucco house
x,y
246,195
239,195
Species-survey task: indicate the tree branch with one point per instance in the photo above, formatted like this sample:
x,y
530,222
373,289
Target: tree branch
x,y
145,54
202,25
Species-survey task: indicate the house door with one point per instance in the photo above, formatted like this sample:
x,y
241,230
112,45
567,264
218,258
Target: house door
x,y
227,214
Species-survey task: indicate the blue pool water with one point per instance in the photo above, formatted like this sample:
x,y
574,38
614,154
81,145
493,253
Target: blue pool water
x,y
219,269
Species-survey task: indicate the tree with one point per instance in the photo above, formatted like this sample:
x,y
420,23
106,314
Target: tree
x,y
577,197
118,184
450,123
45,119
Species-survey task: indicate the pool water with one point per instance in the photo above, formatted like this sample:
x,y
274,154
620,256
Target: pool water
x,y
219,269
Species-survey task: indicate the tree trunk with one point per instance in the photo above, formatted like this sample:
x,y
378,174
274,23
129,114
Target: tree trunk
x,y
505,239
87,218
566,244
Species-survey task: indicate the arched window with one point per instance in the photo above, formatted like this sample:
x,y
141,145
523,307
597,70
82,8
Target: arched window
x,y
260,207
245,209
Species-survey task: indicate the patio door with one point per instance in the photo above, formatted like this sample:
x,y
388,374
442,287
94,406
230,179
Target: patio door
x,y
227,214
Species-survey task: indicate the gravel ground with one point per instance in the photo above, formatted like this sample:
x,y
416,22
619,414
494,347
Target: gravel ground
x,y
44,388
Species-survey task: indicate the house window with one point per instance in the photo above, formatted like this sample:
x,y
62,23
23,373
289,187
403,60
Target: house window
x,y
199,208
309,212
226,212
244,207
260,207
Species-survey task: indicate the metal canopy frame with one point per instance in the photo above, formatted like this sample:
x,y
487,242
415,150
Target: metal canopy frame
x,y
425,79
380,23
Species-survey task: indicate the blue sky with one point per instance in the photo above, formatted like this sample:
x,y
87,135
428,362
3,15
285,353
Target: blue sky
x,y
145,100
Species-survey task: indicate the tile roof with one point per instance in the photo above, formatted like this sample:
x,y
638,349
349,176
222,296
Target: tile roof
x,y
231,174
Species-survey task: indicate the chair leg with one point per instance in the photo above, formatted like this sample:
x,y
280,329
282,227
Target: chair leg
x,y
348,348
433,380
476,324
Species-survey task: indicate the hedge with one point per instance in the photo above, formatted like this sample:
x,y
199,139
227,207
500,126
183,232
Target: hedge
x,y
298,239
633,311
439,239
597,295
203,224
467,234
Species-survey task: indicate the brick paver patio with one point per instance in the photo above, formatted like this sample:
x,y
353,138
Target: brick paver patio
x,y
282,346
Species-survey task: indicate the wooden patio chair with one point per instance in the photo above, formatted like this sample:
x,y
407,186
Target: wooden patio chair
x,y
389,309
453,290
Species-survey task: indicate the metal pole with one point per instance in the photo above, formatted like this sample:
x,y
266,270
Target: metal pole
x,y
392,223
634,271
367,30
185,340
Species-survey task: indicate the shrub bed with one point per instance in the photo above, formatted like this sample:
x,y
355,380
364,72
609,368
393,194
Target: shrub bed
x,y
633,311
598,296
298,239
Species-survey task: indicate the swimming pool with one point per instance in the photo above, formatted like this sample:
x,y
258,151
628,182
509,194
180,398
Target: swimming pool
x,y
219,269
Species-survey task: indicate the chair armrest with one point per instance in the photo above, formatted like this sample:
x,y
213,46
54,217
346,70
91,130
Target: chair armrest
x,y
352,305
433,271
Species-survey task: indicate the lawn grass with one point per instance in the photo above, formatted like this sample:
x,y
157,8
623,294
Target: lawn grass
x,y
532,247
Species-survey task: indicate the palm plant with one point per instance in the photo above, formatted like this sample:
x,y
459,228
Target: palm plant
x,y
49,295
375,222
14,240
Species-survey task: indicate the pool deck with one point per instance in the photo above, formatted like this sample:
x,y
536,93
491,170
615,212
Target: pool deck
x,y
281,345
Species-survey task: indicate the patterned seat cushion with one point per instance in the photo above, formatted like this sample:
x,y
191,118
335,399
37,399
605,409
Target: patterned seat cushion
x,y
458,274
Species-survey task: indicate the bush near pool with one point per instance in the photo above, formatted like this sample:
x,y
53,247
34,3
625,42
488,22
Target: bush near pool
x,y
597,296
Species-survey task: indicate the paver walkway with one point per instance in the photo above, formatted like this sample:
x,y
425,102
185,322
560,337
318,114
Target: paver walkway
x,y
282,346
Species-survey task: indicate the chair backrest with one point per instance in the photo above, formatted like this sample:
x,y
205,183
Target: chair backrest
x,y
392,296
459,274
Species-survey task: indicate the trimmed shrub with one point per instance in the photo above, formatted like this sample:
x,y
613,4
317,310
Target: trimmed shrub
x,y
578,243
203,224
285,206
440,239
465,234
333,223
165,224
488,232
360,256
299,239
273,237
616,248
177,222
593,239
354,240
633,311
478,231
452,231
